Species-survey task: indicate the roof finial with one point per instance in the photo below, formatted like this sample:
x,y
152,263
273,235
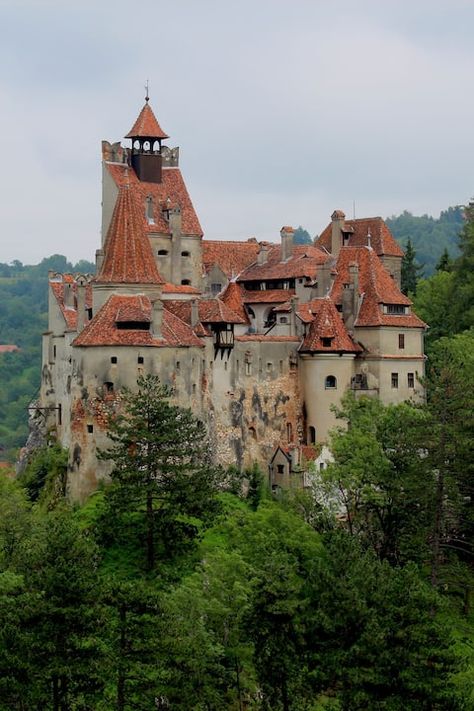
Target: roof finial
x,y
147,98
369,236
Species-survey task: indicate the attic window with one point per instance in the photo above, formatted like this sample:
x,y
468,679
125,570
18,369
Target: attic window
x,y
162,252
185,254
283,319
186,282
395,309
327,342
216,288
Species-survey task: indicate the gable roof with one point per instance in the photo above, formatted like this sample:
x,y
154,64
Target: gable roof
x,y
381,239
209,311
376,287
303,262
102,329
327,323
233,298
231,257
146,125
128,257
170,193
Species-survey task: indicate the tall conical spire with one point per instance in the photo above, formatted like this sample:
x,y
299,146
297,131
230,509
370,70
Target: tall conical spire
x,y
128,257
147,134
146,125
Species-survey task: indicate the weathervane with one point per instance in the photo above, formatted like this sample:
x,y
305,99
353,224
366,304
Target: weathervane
x,y
147,98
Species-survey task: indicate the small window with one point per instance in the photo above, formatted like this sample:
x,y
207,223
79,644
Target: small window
x,y
283,319
394,380
269,367
411,380
60,414
186,282
312,434
401,340
140,360
178,365
280,468
395,309
90,429
194,388
162,252
216,288
113,359
225,365
109,387
185,254
281,366
248,368
326,342
321,466
54,351
330,383
289,431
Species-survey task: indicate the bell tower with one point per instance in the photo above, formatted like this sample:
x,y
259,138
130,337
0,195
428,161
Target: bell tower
x,y
146,135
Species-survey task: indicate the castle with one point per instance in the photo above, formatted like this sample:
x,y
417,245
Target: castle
x,y
259,339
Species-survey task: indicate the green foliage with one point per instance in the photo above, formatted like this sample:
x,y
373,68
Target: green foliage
x,y
256,486
45,475
302,236
429,236
411,270
162,470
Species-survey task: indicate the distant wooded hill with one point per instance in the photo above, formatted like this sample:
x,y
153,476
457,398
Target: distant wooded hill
x,y
23,317
430,236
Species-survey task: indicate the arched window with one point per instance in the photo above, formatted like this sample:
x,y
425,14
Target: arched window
x,y
312,434
330,383
109,387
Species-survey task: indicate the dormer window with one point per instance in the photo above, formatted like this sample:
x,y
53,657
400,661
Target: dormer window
x,y
397,309
327,342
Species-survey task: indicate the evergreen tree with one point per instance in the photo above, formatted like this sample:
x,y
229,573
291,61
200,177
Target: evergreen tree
x,y
464,274
302,236
161,467
445,263
411,270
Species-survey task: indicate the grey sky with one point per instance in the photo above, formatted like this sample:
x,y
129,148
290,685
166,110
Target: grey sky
x,y
282,110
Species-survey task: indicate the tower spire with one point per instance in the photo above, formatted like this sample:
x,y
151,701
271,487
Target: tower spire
x,y
147,91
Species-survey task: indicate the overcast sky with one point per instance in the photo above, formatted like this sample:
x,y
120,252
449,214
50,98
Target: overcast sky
x,y
283,110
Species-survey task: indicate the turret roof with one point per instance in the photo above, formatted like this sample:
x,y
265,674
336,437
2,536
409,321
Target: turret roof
x,y
128,256
146,125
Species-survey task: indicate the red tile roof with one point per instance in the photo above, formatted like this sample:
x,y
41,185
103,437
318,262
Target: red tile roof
x,y
267,296
381,239
231,257
209,310
233,298
327,323
304,262
103,331
172,186
146,125
263,337
168,288
376,287
69,312
7,348
128,257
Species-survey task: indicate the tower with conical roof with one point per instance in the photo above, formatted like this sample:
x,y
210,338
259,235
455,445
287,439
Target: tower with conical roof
x,y
146,135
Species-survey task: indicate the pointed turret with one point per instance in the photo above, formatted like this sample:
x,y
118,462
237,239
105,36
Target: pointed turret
x,y
147,134
128,257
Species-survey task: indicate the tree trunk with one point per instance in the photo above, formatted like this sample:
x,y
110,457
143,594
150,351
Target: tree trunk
x,y
150,538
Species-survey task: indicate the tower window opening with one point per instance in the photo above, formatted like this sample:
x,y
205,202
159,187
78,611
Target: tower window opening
x,y
140,360
113,359
109,386
312,434
162,252
331,382
90,429
185,254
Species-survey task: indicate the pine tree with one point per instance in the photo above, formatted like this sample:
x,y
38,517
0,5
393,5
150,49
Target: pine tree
x,y
445,263
162,468
411,270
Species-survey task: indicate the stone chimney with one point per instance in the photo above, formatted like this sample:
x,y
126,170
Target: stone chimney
x,y
194,313
338,218
99,260
286,234
68,295
175,220
325,277
350,297
157,318
262,256
81,303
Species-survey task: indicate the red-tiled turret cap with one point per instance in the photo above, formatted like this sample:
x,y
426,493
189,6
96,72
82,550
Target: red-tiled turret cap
x,y
128,256
146,125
